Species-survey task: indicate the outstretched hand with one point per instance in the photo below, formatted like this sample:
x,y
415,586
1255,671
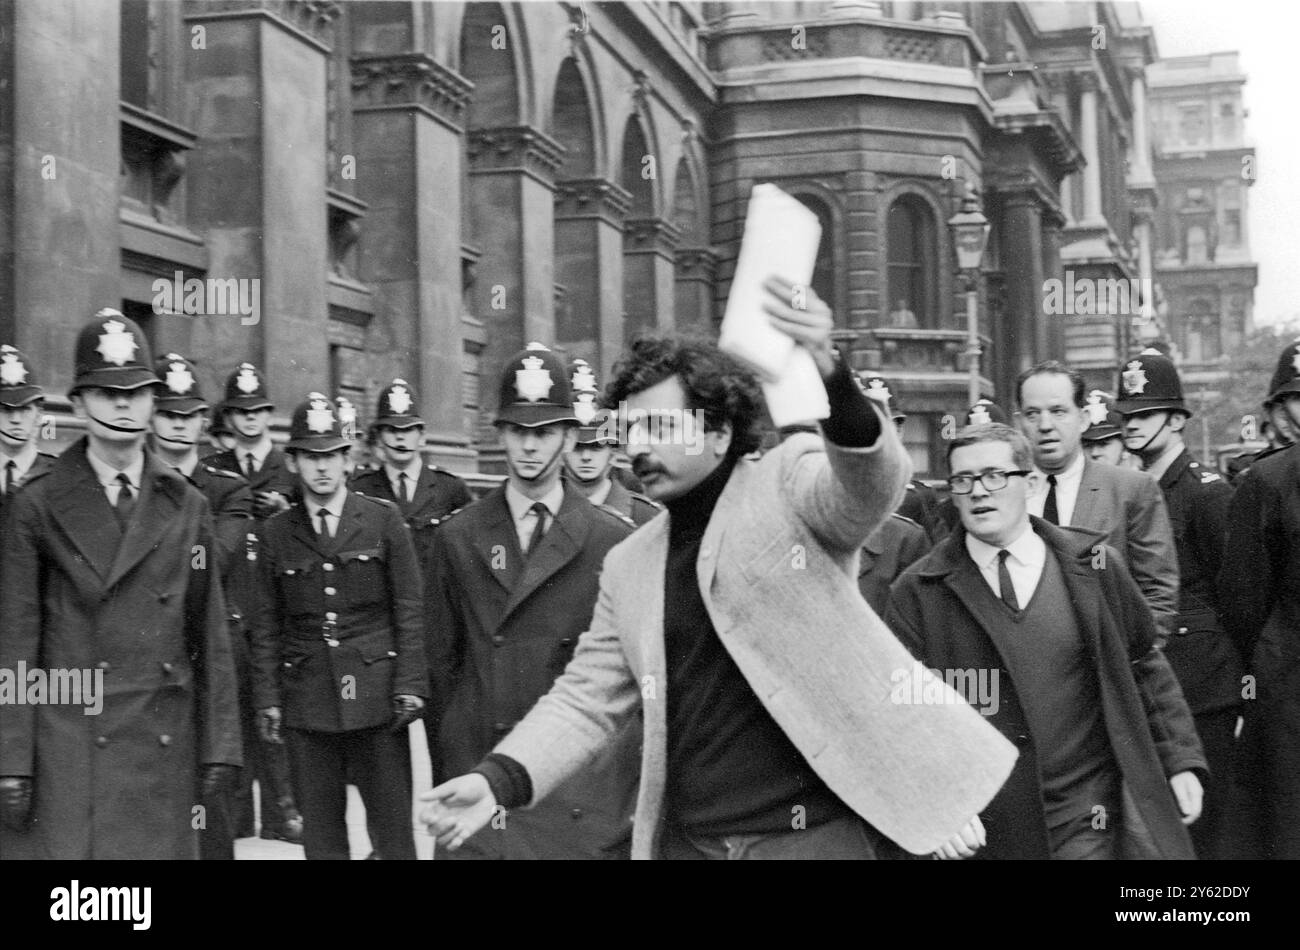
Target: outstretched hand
x,y
800,314
459,808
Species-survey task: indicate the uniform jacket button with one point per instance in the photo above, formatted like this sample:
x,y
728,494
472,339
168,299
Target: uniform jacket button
x,y
101,741
164,740
331,615
163,598
167,668
575,814
1021,739
327,566
103,665
500,727
330,591
497,640
567,641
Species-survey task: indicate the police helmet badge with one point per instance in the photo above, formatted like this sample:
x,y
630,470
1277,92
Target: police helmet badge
x,y
1135,378
116,344
533,382
399,398
12,370
179,378
979,415
320,417
246,380
1096,407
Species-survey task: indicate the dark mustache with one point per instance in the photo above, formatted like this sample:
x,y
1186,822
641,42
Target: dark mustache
x,y
640,468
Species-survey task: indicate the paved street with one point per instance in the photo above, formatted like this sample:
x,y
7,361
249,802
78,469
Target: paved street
x,y
255,849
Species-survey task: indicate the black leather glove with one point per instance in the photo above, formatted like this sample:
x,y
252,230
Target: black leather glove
x,y
217,778
406,709
15,802
268,724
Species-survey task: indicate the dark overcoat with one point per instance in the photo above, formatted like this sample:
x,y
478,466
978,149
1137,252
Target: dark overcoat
x,y
146,608
502,631
937,609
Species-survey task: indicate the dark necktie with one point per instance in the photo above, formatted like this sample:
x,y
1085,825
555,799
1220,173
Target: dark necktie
x,y
125,500
11,476
324,523
404,484
1049,507
250,465
535,540
1005,586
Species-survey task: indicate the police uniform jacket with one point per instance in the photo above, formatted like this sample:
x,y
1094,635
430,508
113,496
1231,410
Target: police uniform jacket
x,y
1208,664
502,632
231,502
437,494
274,475
43,462
891,549
337,629
1260,597
629,504
145,607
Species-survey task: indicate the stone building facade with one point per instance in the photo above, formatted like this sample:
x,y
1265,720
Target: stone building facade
x,y
420,189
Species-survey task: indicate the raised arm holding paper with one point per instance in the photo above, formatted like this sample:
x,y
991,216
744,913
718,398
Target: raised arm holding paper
x,y
733,624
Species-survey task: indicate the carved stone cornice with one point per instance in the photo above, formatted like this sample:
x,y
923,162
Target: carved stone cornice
x,y
599,198
313,19
410,80
651,235
514,148
696,263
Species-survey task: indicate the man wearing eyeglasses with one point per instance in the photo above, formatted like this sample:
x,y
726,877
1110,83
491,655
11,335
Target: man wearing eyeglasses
x,y
1052,619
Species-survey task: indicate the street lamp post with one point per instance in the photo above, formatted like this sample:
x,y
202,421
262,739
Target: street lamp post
x,y
970,235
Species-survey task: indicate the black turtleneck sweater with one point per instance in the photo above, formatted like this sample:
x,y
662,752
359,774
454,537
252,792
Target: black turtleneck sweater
x,y
731,769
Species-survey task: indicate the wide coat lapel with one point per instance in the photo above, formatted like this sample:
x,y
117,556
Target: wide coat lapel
x,y
81,509
351,523
162,493
1087,503
497,537
304,533
560,545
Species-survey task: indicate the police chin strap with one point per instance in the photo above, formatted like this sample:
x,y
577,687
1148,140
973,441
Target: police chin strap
x,y
1168,416
163,438
547,468
109,425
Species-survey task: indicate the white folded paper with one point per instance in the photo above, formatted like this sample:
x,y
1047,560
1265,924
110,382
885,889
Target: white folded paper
x,y
781,237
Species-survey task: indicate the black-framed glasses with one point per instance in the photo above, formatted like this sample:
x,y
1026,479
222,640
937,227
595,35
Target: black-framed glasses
x,y
992,481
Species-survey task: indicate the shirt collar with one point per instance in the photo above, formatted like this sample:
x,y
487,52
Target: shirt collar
x,y
1159,466
260,452
1028,549
107,475
1072,473
520,503
412,470
189,466
601,493
23,460
334,506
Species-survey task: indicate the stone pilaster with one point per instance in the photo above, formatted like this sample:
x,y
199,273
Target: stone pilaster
x,y
589,217
649,258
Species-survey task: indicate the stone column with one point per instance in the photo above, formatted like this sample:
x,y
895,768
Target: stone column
x,y
59,176
257,183
1088,105
1053,347
1023,338
408,114
589,218
511,194
693,303
1140,164
649,256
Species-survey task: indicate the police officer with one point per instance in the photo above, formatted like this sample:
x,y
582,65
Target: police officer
x,y
179,418
247,411
246,416
589,467
920,504
338,644
107,570
424,493
21,402
1204,658
1103,440
1260,589
515,586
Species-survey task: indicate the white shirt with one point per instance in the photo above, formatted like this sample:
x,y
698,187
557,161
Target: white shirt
x,y
22,462
107,476
335,508
524,517
412,473
1028,555
259,451
1161,465
187,467
1067,492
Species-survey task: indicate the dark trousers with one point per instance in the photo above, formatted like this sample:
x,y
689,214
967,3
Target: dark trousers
x,y
378,761
842,839
217,836
1216,731
266,762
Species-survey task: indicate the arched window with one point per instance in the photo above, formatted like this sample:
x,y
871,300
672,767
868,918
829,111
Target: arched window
x,y
823,281
912,271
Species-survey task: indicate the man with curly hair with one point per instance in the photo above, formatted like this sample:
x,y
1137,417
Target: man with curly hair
x,y
734,628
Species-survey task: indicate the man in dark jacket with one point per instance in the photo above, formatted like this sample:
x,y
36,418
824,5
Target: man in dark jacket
x,y
1043,630
1260,596
109,569
338,645
1207,663
21,401
177,428
516,576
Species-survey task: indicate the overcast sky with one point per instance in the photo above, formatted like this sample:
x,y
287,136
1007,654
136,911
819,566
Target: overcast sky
x,y
1264,32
